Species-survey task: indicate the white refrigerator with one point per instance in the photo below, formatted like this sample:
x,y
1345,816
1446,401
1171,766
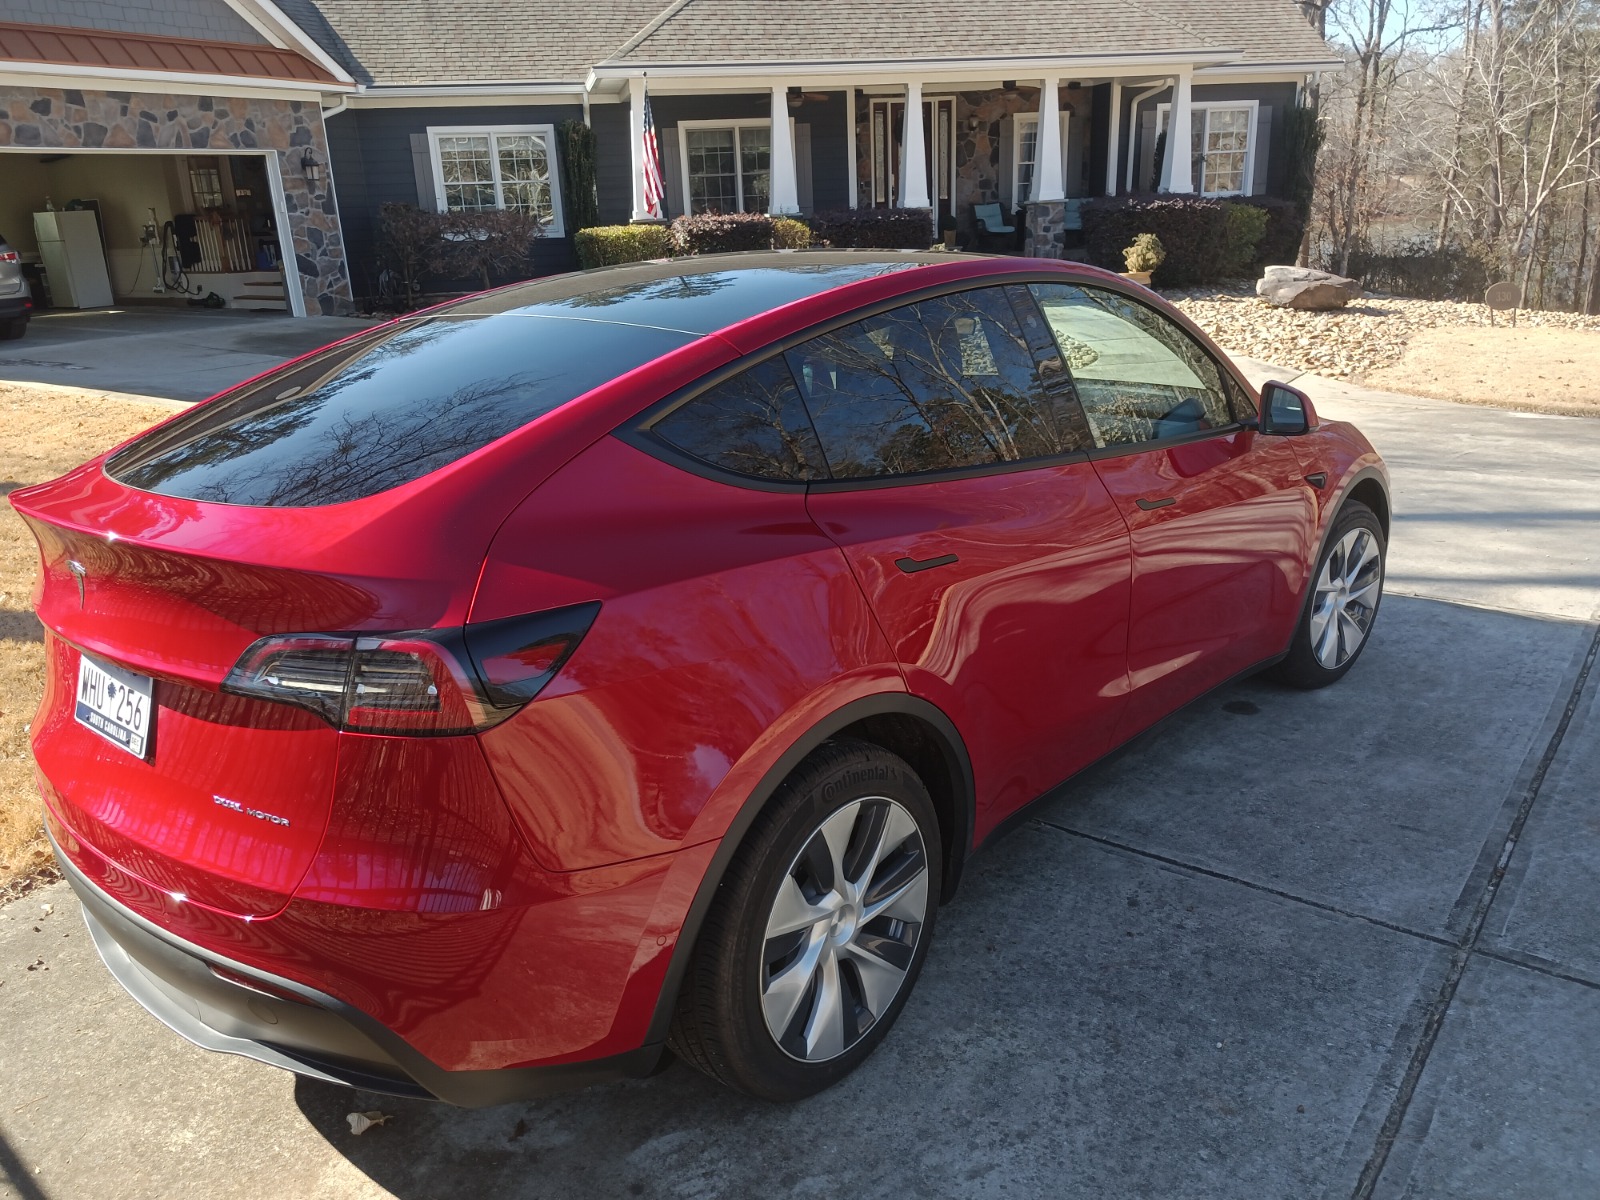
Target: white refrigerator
x,y
74,260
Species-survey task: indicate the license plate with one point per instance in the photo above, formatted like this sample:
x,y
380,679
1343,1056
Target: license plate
x,y
115,704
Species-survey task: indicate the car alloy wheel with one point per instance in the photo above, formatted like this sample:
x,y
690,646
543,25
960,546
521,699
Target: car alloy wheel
x,y
1346,600
843,929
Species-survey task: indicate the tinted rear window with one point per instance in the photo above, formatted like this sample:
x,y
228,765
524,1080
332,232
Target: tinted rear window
x,y
383,410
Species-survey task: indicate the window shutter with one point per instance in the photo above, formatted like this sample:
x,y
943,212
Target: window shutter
x,y
422,168
1147,151
802,166
1007,151
1258,152
672,168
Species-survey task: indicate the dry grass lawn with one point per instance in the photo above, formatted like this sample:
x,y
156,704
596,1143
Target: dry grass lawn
x,y
44,431
1528,368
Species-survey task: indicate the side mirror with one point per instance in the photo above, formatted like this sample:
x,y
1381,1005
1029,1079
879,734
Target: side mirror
x,y
1285,411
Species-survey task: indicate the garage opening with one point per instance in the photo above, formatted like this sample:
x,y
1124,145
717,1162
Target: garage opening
x,y
185,230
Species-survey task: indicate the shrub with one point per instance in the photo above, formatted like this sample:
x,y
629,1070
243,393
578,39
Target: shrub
x,y
1246,225
608,245
486,243
1145,253
790,234
578,190
721,233
408,246
1416,268
1281,237
1194,232
875,228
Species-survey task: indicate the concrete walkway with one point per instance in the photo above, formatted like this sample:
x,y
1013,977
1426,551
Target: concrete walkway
x,y
181,354
1336,944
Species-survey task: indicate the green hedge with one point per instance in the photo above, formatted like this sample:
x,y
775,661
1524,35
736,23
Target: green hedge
x,y
1206,240
875,228
608,245
790,234
1280,240
722,233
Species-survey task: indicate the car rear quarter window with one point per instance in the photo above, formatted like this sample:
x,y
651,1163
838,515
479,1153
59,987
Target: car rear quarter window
x,y
946,383
752,424
384,409
1139,376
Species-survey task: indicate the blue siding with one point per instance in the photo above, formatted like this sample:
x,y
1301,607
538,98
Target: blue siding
x,y
371,152
830,151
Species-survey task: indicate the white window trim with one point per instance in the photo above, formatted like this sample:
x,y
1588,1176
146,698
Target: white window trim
x,y
1019,123
557,225
742,123
883,103
1163,115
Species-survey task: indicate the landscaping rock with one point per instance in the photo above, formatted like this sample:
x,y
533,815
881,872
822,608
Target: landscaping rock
x,y
1301,287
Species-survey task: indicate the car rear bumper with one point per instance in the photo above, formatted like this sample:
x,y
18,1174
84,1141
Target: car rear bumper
x,y
20,305
230,1007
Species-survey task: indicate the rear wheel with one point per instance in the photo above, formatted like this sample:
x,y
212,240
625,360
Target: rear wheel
x,y
820,928
1345,592
12,330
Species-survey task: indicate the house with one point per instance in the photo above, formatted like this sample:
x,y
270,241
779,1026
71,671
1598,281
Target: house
x,y
757,106
194,130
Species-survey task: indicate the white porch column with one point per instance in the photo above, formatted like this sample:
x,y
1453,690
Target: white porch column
x,y
641,211
785,187
1177,168
1113,149
1047,149
851,149
914,153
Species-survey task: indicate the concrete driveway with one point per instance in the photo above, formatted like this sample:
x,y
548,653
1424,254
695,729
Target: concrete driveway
x,y
1337,944
184,354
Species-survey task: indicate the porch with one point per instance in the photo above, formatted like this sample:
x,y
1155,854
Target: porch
x,y
949,144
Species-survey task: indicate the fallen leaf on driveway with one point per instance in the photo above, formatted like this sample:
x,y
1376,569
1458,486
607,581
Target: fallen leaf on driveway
x,y
361,1122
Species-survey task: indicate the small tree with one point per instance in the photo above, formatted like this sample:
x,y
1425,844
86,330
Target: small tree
x,y
408,246
579,191
487,243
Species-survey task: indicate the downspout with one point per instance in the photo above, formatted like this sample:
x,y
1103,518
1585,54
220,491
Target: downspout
x,y
1133,127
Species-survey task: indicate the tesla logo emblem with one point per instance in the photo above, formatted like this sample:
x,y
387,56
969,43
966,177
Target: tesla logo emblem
x,y
79,572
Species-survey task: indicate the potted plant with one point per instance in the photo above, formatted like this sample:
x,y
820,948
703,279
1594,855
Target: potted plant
x,y
947,230
1142,257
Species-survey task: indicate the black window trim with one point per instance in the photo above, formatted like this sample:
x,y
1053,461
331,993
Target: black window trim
x,y
638,431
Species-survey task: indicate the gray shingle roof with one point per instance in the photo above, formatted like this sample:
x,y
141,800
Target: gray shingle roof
x,y
401,42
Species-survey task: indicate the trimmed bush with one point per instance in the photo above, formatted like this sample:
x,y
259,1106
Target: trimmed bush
x,y
1280,240
722,233
875,228
408,246
1247,224
1193,230
790,234
486,245
608,245
1415,268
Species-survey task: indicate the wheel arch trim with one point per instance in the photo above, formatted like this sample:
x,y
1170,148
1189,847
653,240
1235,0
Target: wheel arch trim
x,y
959,849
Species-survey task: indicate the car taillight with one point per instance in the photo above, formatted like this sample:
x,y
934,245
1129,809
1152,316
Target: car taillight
x,y
9,256
429,682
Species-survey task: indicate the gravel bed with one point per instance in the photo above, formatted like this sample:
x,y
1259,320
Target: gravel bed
x,y
1345,343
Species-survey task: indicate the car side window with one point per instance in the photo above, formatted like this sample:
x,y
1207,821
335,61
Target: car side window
x,y
945,383
1139,376
752,424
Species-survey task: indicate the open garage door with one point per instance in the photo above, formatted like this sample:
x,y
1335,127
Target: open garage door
x,y
150,226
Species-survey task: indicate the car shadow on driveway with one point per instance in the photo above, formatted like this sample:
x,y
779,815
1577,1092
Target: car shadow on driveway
x,y
1209,966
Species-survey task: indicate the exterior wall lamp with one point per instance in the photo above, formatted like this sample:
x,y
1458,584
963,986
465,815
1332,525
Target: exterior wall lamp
x,y
311,168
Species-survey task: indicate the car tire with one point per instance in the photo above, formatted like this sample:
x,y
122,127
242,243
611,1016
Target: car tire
x,y
825,913
12,330
1342,605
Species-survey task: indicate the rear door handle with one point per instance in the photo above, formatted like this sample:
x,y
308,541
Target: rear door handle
x,y
912,565
1147,505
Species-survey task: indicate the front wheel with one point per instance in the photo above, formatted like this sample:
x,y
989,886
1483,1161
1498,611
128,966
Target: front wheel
x,y
820,928
1345,592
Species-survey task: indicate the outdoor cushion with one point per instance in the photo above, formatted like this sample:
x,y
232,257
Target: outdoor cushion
x,y
988,216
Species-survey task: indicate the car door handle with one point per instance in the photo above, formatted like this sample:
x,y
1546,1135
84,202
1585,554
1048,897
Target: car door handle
x,y
1147,505
912,565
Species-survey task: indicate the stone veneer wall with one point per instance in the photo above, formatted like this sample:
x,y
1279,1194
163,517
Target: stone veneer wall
x,y
978,154
52,119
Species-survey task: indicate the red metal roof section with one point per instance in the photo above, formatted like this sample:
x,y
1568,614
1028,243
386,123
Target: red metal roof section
x,y
92,48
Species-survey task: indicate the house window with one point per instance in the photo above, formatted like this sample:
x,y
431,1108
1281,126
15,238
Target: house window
x,y
205,182
1220,140
727,167
1025,152
510,166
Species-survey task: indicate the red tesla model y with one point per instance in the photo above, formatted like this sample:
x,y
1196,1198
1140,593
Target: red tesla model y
x,y
631,660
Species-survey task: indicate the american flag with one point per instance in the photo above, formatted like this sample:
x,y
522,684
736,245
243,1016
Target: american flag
x,y
655,186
